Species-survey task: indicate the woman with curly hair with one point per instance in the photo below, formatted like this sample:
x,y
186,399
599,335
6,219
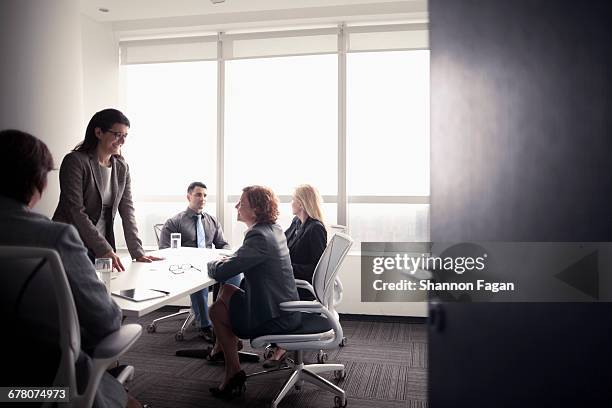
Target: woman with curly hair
x,y
253,309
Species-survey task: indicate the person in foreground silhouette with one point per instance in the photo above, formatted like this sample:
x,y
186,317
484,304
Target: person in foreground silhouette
x,y
26,162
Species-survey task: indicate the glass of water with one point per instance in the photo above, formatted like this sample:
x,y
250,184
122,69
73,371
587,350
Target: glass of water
x,y
104,268
175,240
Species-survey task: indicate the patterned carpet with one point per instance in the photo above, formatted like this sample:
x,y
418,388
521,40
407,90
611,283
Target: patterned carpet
x,y
386,366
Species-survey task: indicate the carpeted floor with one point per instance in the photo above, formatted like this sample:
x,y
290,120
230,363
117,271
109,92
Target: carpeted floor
x,y
386,366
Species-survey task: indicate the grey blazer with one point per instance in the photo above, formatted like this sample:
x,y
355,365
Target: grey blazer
x,y
98,314
268,276
80,202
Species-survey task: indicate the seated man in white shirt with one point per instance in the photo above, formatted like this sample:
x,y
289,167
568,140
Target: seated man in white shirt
x,y
199,230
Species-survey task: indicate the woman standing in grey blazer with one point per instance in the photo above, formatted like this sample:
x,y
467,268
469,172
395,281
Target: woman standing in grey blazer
x,y
95,183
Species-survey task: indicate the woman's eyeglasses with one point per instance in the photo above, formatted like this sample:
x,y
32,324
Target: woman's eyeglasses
x,y
176,269
118,135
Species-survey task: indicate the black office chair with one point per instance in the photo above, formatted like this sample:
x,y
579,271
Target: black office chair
x,y
43,328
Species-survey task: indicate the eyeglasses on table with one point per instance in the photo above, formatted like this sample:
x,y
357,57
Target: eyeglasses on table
x,y
176,269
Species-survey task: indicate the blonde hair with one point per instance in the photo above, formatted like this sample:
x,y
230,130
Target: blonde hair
x,y
311,200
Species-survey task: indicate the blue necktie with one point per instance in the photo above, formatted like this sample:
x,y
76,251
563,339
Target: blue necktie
x,y
200,232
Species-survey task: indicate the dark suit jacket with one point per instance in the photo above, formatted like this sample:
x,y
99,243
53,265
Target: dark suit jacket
x,y
80,202
268,277
98,314
306,245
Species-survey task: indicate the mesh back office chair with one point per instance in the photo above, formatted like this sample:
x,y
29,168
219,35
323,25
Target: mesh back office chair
x,y
36,295
338,290
337,295
157,230
335,228
320,328
180,334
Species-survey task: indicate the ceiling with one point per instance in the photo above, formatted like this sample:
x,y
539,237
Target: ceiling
x,y
135,19
122,10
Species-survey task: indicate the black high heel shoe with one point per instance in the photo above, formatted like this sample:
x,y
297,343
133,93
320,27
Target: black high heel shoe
x,y
234,387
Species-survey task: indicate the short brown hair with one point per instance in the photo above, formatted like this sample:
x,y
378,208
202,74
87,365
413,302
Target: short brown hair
x,y
25,165
263,202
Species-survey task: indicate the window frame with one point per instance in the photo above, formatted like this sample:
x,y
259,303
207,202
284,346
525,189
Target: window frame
x,y
343,35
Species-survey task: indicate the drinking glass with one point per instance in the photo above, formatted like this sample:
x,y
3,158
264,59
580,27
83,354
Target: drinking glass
x,y
175,240
104,268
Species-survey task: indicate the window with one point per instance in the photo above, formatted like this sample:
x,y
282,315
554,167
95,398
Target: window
x,y
388,145
173,138
281,127
281,124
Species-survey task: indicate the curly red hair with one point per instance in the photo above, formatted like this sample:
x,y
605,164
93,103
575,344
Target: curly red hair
x,y
263,202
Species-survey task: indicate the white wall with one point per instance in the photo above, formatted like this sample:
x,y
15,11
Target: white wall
x,y
350,275
100,52
41,82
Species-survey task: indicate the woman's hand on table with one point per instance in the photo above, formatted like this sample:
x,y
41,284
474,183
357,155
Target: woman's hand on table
x,y
116,261
149,258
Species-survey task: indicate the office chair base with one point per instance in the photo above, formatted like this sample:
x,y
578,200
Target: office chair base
x,y
309,372
180,334
243,356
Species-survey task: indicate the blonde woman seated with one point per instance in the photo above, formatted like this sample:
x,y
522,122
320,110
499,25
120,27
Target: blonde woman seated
x,y
253,309
306,239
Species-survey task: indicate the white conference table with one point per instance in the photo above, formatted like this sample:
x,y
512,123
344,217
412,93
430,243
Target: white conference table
x,y
157,275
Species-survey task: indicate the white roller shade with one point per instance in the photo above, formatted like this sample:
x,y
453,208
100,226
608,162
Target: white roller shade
x,y
169,50
401,37
276,44
272,44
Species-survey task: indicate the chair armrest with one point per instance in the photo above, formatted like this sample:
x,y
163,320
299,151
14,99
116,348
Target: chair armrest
x,y
300,283
118,342
301,306
110,348
312,307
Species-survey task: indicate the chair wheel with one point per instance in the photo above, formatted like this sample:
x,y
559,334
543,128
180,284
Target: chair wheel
x,y
339,374
321,357
179,336
151,328
343,342
338,402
